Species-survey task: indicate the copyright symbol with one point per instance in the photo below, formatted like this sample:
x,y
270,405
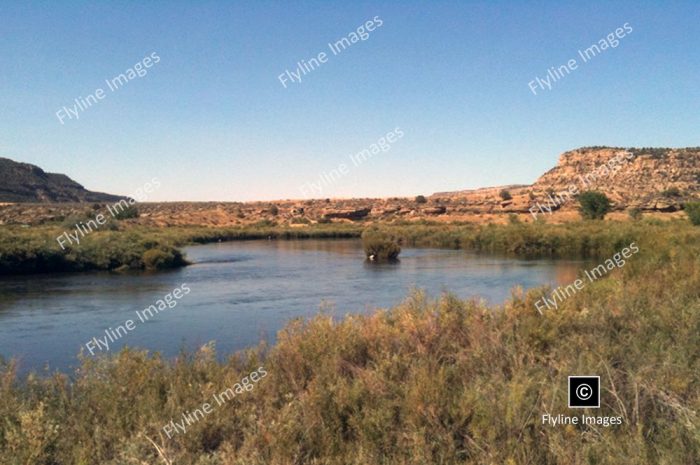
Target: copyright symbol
x,y
584,391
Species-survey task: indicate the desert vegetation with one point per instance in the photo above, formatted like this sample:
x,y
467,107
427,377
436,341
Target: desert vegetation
x,y
132,211
635,214
431,381
584,239
594,205
23,251
692,209
671,192
121,247
504,194
35,250
380,245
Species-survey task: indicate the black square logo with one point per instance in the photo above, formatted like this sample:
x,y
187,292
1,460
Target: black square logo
x,y
584,391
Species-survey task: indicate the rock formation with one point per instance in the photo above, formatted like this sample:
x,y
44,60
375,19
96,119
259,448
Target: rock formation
x,y
22,182
657,181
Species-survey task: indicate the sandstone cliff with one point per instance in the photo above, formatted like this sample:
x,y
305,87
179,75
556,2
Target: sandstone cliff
x,y
649,179
655,181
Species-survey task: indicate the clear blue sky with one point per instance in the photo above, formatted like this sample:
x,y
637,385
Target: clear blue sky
x,y
212,121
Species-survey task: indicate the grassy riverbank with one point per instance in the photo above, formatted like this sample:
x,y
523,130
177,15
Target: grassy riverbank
x,y
35,250
444,381
25,251
571,240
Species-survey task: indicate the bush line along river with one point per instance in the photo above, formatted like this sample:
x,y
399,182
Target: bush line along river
x,y
246,290
241,292
428,381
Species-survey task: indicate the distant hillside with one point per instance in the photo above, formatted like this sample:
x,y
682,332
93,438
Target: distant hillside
x,y
648,178
654,181
651,179
22,182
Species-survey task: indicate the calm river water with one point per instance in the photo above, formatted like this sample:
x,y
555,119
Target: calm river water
x,y
241,292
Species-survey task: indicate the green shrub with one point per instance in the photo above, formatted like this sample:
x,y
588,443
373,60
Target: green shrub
x,y
130,212
421,199
274,210
162,258
505,195
594,205
635,214
380,246
692,209
671,192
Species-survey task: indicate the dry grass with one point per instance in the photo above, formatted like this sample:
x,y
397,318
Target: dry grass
x,y
429,382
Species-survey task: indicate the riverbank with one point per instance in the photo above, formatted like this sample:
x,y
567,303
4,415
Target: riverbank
x,y
444,381
129,246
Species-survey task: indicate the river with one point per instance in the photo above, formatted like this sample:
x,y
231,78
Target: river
x,y
240,292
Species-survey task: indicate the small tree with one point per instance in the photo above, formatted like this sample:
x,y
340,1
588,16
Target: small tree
x,y
505,195
593,205
692,209
635,214
421,199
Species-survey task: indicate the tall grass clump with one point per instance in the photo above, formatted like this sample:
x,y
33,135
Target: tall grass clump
x,y
692,209
635,214
380,245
